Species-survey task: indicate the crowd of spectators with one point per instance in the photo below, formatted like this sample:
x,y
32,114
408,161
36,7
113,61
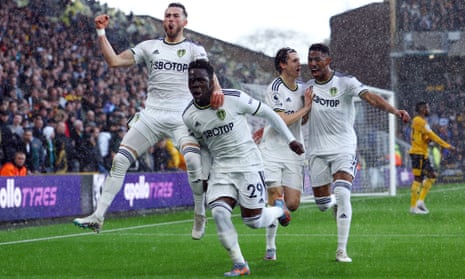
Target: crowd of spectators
x,y
59,102
431,15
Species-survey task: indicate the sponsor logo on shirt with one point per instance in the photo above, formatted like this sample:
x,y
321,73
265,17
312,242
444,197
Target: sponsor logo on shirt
x,y
168,66
332,103
218,131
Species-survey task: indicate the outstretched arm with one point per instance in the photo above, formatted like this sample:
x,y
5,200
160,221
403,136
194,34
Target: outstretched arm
x,y
379,102
124,59
279,125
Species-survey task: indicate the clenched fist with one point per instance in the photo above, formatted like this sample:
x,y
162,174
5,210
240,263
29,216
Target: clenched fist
x,y
101,21
297,147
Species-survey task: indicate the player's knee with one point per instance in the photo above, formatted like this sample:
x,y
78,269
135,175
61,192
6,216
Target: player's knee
x,y
194,165
429,182
292,205
342,190
325,203
292,201
122,161
342,184
220,212
252,221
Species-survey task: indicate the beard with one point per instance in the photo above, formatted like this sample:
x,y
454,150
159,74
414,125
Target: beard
x,y
172,31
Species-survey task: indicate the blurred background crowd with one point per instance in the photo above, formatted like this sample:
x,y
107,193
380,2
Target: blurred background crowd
x,y
59,102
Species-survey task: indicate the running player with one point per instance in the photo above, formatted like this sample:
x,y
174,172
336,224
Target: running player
x,y
167,59
236,175
284,168
332,138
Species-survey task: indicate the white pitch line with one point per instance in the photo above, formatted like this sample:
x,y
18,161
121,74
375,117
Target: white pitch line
x,y
187,221
91,233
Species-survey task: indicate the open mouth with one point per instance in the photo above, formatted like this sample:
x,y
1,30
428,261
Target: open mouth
x,y
196,93
315,71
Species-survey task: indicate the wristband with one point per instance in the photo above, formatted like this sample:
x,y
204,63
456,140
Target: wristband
x,y
100,32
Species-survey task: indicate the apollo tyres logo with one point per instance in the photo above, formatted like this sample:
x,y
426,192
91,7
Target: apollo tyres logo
x,y
16,197
143,190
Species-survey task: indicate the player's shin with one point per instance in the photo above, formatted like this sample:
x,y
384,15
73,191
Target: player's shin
x,y
344,211
114,181
427,184
227,234
194,173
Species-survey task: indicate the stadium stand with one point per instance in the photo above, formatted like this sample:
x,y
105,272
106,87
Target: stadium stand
x,y
52,69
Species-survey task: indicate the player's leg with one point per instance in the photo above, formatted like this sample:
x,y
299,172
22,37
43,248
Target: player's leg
x,y
291,176
227,234
342,190
133,144
427,184
344,170
251,186
417,170
321,182
221,198
273,178
292,181
274,192
191,153
190,148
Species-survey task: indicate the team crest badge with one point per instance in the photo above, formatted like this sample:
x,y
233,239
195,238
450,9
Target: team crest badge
x,y
333,91
221,114
181,52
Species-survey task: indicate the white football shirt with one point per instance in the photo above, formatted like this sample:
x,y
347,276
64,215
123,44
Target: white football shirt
x,y
167,66
331,123
282,99
226,132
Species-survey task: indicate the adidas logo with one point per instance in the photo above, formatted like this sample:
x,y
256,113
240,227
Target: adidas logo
x,y
156,52
343,216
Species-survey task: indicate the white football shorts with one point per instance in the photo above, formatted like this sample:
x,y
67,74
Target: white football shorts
x,y
322,167
247,188
284,174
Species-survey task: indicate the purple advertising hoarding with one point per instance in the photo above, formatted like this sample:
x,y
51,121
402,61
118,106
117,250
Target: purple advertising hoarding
x,y
148,191
32,197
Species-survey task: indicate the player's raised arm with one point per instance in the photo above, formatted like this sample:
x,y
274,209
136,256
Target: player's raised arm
x,y
124,59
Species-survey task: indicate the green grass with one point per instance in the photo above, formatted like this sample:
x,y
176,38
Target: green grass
x,y
385,242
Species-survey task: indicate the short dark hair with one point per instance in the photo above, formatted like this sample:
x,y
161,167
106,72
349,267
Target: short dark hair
x,y
420,105
178,5
319,47
202,64
281,57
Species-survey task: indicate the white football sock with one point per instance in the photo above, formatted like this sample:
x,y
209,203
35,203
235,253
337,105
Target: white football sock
x,y
227,234
271,232
344,212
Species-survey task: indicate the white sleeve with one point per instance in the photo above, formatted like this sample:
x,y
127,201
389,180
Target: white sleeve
x,y
275,121
198,52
